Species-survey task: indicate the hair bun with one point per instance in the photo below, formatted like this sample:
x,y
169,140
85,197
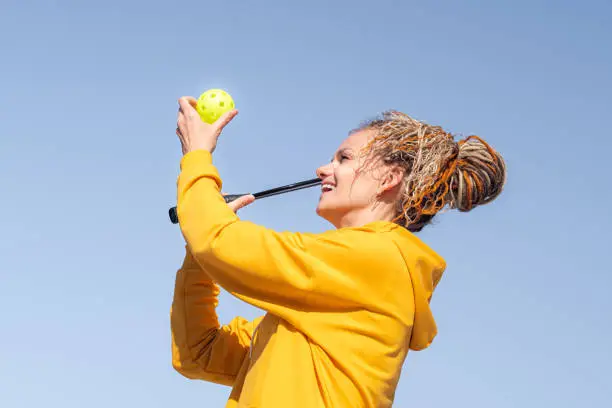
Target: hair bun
x,y
479,176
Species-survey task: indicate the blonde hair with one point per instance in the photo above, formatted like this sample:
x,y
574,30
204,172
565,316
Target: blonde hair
x,y
438,171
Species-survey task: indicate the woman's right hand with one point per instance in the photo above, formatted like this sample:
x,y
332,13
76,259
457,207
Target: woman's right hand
x,y
241,202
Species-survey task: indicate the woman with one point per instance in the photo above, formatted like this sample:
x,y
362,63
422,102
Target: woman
x,y
344,306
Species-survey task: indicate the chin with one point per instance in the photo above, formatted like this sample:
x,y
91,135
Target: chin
x,y
320,211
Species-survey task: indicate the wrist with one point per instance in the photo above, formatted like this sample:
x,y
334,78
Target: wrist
x,y
196,148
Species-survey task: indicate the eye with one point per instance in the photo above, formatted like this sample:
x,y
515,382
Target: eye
x,y
343,157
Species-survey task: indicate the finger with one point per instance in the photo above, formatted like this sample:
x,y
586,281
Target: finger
x,y
180,116
186,107
192,101
241,202
225,119
180,124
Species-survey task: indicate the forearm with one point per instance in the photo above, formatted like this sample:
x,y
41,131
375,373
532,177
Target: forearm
x,y
193,317
201,347
201,209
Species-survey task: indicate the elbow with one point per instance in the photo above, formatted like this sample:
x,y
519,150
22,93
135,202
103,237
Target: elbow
x,y
190,370
182,359
179,367
193,369
184,365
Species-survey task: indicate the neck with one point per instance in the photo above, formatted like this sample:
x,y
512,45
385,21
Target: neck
x,y
357,218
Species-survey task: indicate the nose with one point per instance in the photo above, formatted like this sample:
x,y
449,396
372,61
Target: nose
x,y
324,171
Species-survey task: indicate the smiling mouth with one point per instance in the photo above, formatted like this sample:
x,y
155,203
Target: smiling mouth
x,y
325,188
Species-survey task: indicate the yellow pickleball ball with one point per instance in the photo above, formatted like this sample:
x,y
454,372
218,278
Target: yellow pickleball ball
x,y
214,103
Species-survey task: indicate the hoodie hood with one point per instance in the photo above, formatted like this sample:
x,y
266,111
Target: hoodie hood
x,y
425,267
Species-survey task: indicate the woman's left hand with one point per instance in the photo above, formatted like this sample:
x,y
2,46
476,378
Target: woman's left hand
x,y
194,133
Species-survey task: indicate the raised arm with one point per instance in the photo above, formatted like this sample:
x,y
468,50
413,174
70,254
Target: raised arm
x,y
337,270
201,347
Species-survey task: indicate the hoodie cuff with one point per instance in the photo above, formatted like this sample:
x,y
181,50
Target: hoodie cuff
x,y
195,157
196,166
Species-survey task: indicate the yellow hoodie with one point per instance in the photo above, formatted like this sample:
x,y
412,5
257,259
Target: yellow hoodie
x,y
343,307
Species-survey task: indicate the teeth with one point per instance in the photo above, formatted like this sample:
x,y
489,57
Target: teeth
x,y
327,187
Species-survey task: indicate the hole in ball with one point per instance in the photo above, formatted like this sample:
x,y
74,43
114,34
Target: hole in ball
x,y
222,103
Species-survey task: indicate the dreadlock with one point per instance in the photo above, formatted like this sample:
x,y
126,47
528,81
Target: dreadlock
x,y
438,171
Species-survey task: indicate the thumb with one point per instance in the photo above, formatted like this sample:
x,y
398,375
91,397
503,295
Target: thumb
x,y
241,202
226,118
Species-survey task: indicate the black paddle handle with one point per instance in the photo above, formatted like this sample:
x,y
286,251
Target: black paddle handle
x,y
262,194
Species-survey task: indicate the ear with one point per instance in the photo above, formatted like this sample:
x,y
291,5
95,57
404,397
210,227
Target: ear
x,y
392,179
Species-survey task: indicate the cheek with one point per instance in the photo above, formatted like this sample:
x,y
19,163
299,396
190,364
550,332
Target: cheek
x,y
361,187
367,187
345,177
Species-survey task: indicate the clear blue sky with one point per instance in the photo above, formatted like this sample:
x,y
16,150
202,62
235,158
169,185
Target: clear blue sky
x,y
89,160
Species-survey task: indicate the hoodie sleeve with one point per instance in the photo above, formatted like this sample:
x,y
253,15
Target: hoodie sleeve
x,y
201,348
280,272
